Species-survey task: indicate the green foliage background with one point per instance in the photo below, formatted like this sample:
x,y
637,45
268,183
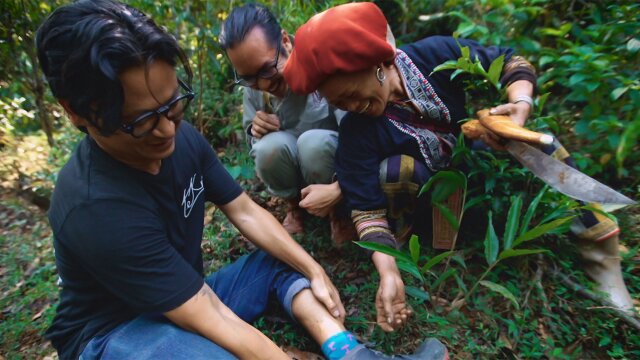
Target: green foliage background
x,y
588,59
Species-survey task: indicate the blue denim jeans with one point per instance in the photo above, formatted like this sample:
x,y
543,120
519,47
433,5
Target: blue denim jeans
x,y
246,287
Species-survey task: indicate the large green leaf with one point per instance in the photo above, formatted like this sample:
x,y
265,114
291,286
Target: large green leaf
x,y
500,290
496,69
399,255
491,243
447,274
513,219
541,230
448,215
505,254
447,65
410,268
444,183
531,210
417,293
414,248
435,260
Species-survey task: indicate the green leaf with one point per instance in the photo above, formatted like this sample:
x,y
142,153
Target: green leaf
x,y
447,274
512,221
496,69
577,78
531,210
628,139
491,243
541,230
461,284
448,215
465,52
519,252
414,248
542,100
410,268
615,94
435,260
417,293
444,183
475,200
447,65
500,290
399,255
455,74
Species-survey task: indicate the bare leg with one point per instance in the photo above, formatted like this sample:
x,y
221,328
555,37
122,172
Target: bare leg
x,y
315,317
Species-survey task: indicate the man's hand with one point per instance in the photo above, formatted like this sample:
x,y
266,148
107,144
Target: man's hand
x,y
319,199
391,307
324,290
519,113
263,124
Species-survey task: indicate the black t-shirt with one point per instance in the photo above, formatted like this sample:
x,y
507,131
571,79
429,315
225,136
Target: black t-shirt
x,y
128,242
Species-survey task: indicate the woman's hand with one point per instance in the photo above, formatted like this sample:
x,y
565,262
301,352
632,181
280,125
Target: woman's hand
x,y
391,306
519,112
319,199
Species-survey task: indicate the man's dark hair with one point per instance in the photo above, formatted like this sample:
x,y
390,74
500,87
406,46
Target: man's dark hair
x,y
83,47
243,19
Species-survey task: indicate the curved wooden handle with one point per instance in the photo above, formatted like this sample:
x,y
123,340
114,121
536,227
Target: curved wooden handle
x,y
473,129
502,126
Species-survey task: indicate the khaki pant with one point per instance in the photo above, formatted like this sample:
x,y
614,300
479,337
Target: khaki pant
x,y
286,163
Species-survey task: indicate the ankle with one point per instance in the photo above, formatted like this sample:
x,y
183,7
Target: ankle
x,y
339,345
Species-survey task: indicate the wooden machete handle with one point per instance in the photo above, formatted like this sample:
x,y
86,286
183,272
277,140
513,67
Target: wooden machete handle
x,y
473,129
502,126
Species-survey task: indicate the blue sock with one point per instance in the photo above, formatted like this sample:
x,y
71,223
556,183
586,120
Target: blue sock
x,y
339,345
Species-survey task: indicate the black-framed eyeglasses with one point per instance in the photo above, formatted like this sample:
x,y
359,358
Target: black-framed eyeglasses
x,y
173,110
266,73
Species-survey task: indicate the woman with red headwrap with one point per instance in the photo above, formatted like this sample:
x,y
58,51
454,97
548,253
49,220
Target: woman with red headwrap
x,y
403,121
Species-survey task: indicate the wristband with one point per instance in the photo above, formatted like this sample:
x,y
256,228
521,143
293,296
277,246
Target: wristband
x,y
524,98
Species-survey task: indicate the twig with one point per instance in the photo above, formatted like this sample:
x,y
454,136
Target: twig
x,y
590,295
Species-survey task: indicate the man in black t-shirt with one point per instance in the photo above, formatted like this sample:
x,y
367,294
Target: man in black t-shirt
x,y
128,210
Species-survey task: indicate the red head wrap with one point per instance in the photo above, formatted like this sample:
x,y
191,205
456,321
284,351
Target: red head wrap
x,y
345,38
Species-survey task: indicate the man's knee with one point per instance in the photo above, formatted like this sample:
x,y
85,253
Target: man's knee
x,y
276,147
316,154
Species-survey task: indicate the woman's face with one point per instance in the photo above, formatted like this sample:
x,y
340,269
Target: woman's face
x,y
359,92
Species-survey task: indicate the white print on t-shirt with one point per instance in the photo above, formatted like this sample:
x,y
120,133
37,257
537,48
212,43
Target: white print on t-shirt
x,y
190,195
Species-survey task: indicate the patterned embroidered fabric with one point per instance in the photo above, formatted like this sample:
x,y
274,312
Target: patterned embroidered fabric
x,y
430,128
368,222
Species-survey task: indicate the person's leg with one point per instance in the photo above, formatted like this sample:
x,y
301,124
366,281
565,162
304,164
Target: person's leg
x,y
338,343
245,286
401,177
316,153
151,337
276,161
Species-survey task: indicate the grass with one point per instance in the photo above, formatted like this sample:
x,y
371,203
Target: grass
x,y
553,321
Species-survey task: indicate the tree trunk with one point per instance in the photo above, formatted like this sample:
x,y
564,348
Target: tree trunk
x,y
38,88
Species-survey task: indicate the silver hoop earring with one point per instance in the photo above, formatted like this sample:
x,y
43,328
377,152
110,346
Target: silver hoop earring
x,y
380,75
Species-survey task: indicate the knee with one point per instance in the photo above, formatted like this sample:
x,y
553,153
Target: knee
x,y
317,147
271,149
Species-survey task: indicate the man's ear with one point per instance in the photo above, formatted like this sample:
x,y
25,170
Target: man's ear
x,y
76,119
286,41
